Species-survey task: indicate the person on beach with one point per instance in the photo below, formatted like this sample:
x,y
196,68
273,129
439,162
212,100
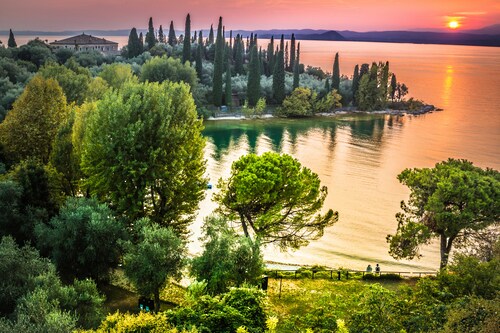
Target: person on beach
x,y
377,269
369,268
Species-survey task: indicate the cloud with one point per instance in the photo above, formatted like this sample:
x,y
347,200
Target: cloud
x,y
471,13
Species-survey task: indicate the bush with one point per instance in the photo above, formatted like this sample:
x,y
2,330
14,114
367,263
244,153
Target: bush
x,y
298,104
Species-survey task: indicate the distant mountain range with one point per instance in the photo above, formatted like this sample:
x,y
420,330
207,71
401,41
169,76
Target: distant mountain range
x,y
487,36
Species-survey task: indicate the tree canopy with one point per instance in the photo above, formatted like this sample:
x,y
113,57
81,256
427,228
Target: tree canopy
x,y
276,199
451,202
161,69
143,153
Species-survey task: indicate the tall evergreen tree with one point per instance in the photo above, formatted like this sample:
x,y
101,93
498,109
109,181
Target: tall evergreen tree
x,y
150,36
253,86
394,86
328,88
141,42
195,37
211,35
161,36
238,56
384,81
355,83
270,56
261,61
218,66
279,78
228,89
200,38
199,61
282,43
336,73
365,68
186,50
12,40
172,39
133,45
287,64
296,77
292,53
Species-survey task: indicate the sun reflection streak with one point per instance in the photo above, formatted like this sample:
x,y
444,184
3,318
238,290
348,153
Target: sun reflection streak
x,y
448,83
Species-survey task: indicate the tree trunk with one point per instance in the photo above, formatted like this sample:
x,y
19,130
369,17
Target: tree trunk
x,y
445,251
157,301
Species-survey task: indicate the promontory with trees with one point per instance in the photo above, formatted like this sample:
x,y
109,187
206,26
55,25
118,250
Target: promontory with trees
x,y
102,170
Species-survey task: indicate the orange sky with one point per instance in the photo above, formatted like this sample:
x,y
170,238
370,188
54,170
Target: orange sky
x,y
359,15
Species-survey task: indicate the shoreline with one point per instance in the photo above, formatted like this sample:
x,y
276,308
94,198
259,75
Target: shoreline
x,y
427,108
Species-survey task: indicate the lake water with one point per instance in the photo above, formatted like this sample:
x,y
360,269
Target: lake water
x,y
359,157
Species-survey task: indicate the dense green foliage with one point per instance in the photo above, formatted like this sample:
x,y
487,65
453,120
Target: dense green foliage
x,y
143,153
162,69
29,129
117,74
158,255
253,87
83,240
451,201
275,199
134,47
228,260
279,78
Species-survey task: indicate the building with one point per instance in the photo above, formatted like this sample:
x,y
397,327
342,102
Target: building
x,y
85,42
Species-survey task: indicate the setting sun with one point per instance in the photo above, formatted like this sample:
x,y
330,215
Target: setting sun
x,y
453,24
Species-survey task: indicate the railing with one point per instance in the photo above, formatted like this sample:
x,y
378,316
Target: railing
x,y
345,273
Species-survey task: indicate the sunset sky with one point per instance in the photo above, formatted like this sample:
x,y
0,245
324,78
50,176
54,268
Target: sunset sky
x,y
359,15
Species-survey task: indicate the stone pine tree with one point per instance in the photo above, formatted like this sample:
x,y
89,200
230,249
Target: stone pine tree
x,y
186,50
150,36
228,92
292,53
336,73
12,40
355,83
218,66
211,35
199,61
296,77
253,86
161,36
172,39
279,75
133,45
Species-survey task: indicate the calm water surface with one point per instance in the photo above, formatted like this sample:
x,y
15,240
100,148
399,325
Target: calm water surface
x,y
359,157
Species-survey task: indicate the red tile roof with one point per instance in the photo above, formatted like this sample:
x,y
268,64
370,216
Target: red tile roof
x,y
83,39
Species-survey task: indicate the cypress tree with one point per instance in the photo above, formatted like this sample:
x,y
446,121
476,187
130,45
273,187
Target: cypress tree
x,y
282,43
12,41
336,73
200,38
287,64
384,81
253,85
238,56
270,56
172,39
327,86
296,77
195,37
231,39
394,86
133,45
279,78
355,84
261,62
161,36
211,35
141,43
199,61
186,50
150,36
218,66
365,68
292,53
228,89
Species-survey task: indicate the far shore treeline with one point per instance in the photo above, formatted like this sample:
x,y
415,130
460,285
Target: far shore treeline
x,y
102,170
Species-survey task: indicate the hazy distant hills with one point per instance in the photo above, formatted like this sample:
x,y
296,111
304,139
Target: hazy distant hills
x,y
487,36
